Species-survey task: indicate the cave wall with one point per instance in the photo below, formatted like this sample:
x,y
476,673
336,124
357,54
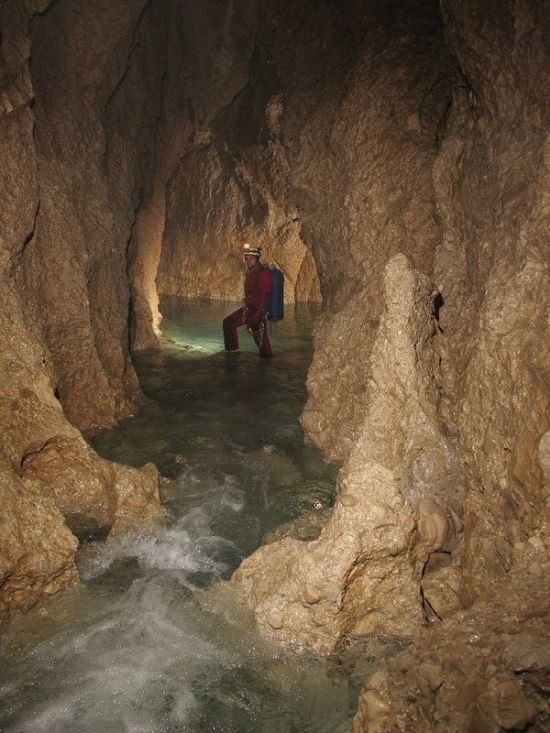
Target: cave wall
x,y
69,184
367,95
231,182
442,424
430,376
91,67
492,269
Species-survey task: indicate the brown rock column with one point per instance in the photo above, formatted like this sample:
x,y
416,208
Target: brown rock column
x,y
398,499
47,472
492,181
366,96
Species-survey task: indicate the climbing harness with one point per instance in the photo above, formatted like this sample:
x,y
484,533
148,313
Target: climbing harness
x,y
263,326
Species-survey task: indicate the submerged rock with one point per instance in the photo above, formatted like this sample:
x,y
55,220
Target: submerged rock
x,y
302,497
305,527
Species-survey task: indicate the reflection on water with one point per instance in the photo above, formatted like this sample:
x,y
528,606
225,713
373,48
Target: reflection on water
x,y
147,642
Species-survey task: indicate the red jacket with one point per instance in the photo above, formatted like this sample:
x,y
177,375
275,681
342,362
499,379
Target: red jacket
x,y
257,289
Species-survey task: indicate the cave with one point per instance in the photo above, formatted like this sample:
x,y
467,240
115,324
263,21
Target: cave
x,y
391,158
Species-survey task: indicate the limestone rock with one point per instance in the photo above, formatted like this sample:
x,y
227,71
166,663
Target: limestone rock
x,y
391,157
483,669
94,490
504,704
494,362
365,189
50,475
203,258
36,548
366,564
441,590
73,172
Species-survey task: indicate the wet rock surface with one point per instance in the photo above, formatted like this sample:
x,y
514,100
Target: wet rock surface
x,y
89,489
364,570
306,527
49,473
391,158
493,676
63,288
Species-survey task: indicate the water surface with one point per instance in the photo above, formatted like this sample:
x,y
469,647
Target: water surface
x,y
150,641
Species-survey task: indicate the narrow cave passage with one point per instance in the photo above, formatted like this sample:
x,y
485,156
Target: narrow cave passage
x,y
171,651
391,157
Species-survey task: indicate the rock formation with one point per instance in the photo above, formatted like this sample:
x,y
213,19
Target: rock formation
x,y
231,181
392,158
69,184
464,487
397,500
485,669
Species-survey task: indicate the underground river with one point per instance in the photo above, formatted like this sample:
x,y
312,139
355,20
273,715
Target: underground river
x,y
149,642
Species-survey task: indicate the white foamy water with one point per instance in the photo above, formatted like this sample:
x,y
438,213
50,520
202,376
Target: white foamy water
x,y
151,641
189,546
159,658
152,647
130,667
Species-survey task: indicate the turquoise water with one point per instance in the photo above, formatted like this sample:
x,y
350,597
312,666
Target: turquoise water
x,y
150,641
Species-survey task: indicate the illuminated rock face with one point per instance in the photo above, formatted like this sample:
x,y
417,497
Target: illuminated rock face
x,y
392,157
91,165
72,172
231,183
49,476
398,499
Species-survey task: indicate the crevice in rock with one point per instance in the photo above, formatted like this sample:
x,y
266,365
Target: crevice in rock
x,y
34,451
438,303
435,108
133,47
130,244
17,256
40,13
85,529
429,614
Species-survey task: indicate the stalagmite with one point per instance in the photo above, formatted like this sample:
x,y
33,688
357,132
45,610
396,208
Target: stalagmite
x,y
374,528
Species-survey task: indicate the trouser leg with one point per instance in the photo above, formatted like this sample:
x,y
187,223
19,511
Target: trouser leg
x,y
261,337
265,349
230,325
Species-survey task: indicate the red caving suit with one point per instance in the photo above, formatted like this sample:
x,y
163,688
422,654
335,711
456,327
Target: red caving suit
x,y
257,289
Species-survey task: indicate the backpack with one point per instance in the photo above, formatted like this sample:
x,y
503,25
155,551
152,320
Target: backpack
x,y
276,299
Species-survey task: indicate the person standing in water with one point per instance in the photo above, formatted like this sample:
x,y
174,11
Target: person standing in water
x,y
253,315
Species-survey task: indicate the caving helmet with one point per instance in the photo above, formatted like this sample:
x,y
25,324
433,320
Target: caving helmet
x,y
250,249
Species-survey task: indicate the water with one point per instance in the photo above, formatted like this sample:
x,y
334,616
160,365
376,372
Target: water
x,y
150,642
